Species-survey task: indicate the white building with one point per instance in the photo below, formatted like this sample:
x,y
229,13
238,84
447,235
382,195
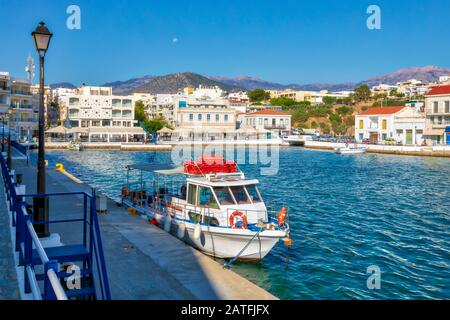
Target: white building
x,y
399,124
208,93
437,109
90,107
278,123
239,101
5,92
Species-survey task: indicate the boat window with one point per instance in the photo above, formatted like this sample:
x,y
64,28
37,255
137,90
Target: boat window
x,y
206,198
192,194
224,196
240,195
253,193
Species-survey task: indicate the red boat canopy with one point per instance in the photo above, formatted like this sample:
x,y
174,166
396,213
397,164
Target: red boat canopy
x,y
210,164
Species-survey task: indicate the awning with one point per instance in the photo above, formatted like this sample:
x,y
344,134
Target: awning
x,y
118,130
165,130
57,130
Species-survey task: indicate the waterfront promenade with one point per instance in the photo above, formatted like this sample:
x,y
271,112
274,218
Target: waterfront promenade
x,y
143,261
424,151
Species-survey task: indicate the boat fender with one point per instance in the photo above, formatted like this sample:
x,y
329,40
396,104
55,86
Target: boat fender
x,y
197,231
154,222
281,215
288,241
181,231
167,223
233,222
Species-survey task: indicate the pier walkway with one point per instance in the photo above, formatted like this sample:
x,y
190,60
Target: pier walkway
x,y
9,286
143,261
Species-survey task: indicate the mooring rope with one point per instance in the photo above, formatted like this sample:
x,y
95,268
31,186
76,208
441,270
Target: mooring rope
x,y
227,265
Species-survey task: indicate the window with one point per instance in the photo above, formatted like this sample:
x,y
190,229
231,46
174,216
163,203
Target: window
x,y
447,106
225,118
361,124
240,195
217,117
253,193
384,124
435,107
208,117
224,196
384,136
200,117
361,136
260,121
192,194
191,117
206,198
439,120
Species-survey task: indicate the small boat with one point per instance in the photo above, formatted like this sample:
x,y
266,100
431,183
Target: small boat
x,y
350,150
297,139
75,146
213,207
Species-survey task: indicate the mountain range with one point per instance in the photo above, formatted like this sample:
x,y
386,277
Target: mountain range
x,y
173,83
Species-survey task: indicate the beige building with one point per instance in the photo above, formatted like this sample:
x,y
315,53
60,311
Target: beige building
x,y
205,120
276,122
437,109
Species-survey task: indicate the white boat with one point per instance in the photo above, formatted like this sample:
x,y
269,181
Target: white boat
x,y
350,150
297,139
75,146
216,209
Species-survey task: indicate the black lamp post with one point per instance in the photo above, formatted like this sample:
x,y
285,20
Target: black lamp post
x,y
42,37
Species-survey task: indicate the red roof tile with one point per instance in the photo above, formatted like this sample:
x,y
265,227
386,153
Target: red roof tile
x,y
439,90
382,111
269,112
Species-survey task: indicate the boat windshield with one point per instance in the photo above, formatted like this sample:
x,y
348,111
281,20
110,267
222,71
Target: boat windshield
x,y
224,196
253,193
206,198
240,195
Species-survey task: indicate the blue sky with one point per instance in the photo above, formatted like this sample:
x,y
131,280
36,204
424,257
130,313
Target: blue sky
x,y
288,41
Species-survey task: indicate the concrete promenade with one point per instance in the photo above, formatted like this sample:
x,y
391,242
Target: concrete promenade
x,y
143,261
430,151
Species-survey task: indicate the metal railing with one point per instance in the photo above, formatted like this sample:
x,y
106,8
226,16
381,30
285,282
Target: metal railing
x,y
27,241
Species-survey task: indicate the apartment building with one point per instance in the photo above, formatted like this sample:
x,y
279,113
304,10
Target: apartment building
x,y
91,107
437,109
5,93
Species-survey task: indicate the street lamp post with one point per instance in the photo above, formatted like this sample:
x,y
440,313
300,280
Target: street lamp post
x,y
42,37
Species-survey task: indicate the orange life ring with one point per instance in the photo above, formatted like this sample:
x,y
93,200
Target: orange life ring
x,y
124,192
281,215
242,216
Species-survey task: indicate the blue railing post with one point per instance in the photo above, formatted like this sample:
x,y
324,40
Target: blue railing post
x,y
49,293
28,254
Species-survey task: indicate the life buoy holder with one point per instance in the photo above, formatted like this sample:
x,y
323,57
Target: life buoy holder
x,y
281,215
243,218
124,192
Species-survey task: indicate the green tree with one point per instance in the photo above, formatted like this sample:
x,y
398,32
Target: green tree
x,y
362,93
156,124
283,102
329,100
314,125
139,112
325,128
344,110
258,95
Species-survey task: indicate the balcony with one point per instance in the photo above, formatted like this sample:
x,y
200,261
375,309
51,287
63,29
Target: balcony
x,y
275,127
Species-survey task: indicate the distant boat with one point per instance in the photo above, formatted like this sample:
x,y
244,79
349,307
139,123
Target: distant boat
x,y
75,146
297,139
350,150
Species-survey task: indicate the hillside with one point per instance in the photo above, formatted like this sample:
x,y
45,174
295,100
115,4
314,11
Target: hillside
x,y
174,83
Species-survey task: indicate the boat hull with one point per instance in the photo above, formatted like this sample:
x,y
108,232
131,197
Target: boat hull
x,y
351,151
221,242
